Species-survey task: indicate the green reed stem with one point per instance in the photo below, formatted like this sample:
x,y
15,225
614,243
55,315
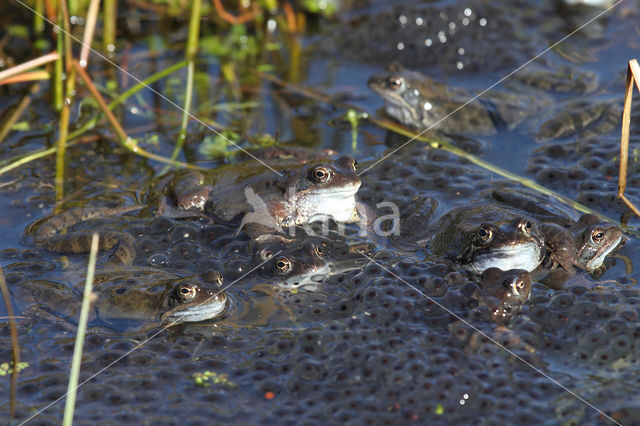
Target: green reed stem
x,y
58,75
68,96
192,50
109,12
72,388
38,20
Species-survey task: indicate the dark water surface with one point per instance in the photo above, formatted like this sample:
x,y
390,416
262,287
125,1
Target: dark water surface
x,y
367,346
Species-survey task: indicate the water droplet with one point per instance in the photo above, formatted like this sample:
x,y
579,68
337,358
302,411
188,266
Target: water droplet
x,y
442,37
468,12
419,21
403,20
452,25
427,106
459,65
428,42
400,46
482,22
461,51
465,22
271,25
111,47
83,63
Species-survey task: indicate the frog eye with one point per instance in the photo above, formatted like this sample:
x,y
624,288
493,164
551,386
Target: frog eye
x,y
283,264
597,235
354,164
318,250
395,82
187,292
320,174
516,286
525,226
484,233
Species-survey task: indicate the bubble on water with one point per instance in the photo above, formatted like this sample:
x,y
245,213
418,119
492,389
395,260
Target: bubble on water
x,y
419,21
482,22
442,37
467,12
459,65
403,20
452,25
427,106
159,260
461,51
111,47
400,45
465,22
428,42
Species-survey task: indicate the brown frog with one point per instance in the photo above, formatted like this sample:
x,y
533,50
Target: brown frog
x,y
133,294
595,240
53,233
508,241
422,103
291,195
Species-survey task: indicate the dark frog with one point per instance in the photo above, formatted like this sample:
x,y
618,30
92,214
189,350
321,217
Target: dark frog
x,y
509,241
55,233
305,263
504,292
142,295
419,102
293,194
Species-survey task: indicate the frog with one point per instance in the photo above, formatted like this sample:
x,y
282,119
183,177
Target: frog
x,y
49,234
560,246
421,103
595,239
140,294
508,241
280,195
304,262
504,292
586,118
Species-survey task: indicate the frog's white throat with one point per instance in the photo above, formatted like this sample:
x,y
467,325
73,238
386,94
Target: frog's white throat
x,y
319,205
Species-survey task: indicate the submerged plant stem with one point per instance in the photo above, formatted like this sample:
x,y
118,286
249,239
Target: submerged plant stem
x,y
70,403
17,112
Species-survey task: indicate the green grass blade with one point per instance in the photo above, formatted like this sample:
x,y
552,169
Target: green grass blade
x,y
70,403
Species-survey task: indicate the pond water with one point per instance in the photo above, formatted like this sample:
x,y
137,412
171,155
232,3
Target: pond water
x,y
385,340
